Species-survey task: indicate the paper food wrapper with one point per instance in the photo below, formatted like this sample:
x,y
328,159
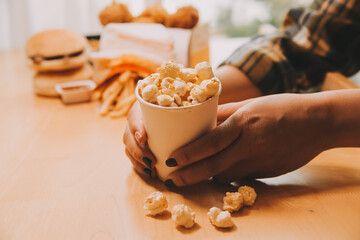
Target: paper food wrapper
x,y
155,42
191,45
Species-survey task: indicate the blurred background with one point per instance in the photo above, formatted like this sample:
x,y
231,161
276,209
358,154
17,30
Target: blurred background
x,y
19,19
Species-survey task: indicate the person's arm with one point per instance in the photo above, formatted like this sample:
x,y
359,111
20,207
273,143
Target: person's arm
x,y
344,110
311,42
236,86
270,136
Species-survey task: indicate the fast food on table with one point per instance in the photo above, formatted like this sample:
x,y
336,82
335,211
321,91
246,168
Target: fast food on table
x,y
115,13
185,17
118,78
128,53
153,42
157,13
56,50
44,82
57,56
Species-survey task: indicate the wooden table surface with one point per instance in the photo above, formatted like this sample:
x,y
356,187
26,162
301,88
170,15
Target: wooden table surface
x,y
64,175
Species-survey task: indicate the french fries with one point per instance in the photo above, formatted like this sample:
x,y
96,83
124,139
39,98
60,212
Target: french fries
x,y
117,94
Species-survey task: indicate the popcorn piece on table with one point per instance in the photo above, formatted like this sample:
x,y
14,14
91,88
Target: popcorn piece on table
x,y
182,215
188,75
155,204
221,219
248,194
204,71
150,93
170,69
233,201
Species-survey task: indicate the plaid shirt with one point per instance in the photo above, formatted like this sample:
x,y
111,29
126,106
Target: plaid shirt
x,y
312,41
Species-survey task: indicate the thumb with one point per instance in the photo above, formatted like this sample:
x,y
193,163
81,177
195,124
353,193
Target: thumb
x,y
136,124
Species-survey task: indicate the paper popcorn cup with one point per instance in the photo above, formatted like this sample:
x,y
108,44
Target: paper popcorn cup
x,y
169,128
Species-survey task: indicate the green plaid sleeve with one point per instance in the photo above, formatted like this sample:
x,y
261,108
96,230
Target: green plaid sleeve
x,y
312,41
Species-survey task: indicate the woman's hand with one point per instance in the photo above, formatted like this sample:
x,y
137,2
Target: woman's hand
x,y
136,147
263,137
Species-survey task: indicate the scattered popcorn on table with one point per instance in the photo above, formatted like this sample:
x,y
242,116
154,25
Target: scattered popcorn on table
x,y
233,201
155,204
182,215
248,194
176,86
221,219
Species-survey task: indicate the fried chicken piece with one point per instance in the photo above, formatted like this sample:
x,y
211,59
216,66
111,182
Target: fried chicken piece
x,y
115,13
185,17
143,20
156,12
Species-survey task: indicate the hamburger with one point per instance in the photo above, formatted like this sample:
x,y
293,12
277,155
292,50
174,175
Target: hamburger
x,y
44,82
56,50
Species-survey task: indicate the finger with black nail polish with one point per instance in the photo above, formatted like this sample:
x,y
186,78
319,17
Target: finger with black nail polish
x,y
169,183
147,161
147,171
171,162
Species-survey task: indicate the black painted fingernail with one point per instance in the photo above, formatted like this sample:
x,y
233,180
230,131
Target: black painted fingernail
x,y
147,171
171,162
147,161
169,183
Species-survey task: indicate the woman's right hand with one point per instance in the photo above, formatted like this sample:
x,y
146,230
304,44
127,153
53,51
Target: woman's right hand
x,y
136,146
